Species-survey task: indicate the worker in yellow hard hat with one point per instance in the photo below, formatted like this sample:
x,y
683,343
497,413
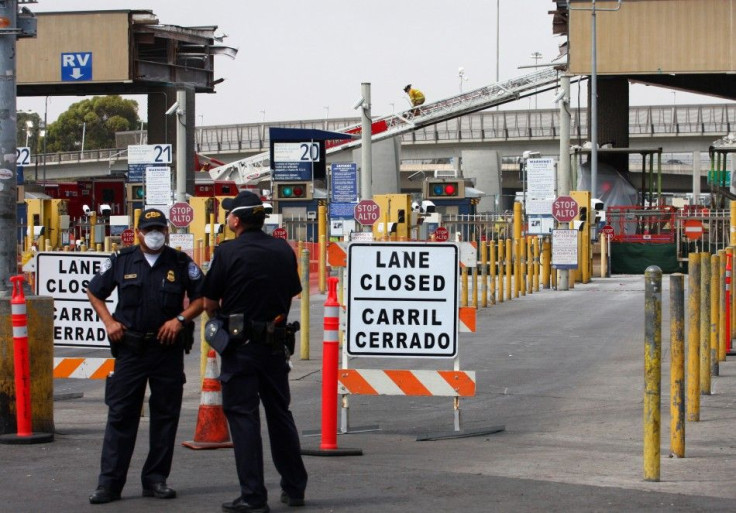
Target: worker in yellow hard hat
x,y
416,97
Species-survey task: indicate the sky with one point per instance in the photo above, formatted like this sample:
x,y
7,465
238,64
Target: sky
x,y
301,59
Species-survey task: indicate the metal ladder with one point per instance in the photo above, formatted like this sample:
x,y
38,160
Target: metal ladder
x,y
253,169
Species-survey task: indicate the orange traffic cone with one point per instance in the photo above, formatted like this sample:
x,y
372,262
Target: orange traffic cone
x,y
211,431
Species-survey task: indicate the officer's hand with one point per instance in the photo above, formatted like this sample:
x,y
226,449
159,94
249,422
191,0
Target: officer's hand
x,y
169,331
115,331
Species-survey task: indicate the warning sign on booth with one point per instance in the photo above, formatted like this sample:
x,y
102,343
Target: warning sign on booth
x,y
65,277
402,300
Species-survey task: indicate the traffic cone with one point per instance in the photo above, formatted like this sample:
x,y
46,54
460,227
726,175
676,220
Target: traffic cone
x,y
211,431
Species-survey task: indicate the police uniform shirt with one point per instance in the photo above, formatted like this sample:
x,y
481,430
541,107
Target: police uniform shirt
x,y
148,296
255,275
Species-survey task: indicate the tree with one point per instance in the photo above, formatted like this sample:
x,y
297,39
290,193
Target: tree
x,y
98,118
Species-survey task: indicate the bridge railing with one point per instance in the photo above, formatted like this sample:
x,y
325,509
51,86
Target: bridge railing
x,y
682,120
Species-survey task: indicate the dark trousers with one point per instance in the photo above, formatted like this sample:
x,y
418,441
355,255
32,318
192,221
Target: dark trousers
x,y
253,372
162,368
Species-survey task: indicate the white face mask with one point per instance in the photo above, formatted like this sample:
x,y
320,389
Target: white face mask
x,y
154,240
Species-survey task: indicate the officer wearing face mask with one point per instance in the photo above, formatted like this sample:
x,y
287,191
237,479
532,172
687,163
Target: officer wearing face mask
x,y
149,331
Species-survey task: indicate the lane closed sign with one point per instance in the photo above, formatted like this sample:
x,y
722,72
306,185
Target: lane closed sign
x,y
65,277
402,300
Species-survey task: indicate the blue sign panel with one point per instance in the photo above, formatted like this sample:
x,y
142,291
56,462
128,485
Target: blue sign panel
x,y
136,172
344,182
295,160
342,210
76,66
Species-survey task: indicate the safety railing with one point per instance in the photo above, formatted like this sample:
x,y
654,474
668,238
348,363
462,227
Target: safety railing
x,y
635,224
701,229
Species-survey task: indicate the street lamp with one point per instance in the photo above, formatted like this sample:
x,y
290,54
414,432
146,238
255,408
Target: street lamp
x,y
462,77
29,126
536,56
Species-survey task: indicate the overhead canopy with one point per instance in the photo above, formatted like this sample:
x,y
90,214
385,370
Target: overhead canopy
x,y
305,134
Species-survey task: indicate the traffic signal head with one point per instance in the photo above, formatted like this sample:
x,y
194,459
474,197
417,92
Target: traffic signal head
x,y
293,191
444,189
136,192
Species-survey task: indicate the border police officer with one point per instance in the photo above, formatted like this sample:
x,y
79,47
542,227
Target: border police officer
x,y
148,332
251,282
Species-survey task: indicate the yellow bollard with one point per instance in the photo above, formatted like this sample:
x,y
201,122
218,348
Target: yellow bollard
x,y
492,271
517,267
463,285
677,365
322,257
722,308
475,286
603,238
529,265
522,265
509,268
501,269
693,338
304,310
484,273
653,370
704,324
715,277
537,266
547,274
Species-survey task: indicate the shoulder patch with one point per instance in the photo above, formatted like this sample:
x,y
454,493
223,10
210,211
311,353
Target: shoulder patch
x,y
193,271
105,265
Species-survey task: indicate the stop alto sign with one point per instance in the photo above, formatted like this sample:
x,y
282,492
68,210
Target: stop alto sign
x,y
367,212
564,209
280,233
441,234
181,214
127,237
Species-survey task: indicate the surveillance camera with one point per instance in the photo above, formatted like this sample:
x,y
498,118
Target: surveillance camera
x,y
105,210
415,207
86,209
359,103
268,208
428,207
560,96
172,110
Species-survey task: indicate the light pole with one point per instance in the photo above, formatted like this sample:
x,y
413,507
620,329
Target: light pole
x,y
263,126
327,114
29,125
462,77
84,134
536,56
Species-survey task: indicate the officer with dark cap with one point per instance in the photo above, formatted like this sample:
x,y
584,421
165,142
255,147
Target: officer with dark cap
x,y
149,332
250,283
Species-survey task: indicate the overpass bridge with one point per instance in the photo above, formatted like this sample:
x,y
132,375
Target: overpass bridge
x,y
684,132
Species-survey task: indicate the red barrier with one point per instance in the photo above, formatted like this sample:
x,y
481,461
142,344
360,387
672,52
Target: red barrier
x,y
22,368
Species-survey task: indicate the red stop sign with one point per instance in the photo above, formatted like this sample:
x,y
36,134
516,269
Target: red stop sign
x,y
181,214
127,237
607,230
280,233
367,212
565,209
441,234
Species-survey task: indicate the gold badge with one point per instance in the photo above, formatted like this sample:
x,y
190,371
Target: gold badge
x,y
130,276
170,276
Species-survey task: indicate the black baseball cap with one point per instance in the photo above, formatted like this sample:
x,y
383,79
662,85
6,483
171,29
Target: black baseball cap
x,y
245,200
152,217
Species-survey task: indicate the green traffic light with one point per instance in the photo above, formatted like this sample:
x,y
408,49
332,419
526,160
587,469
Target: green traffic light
x,y
287,192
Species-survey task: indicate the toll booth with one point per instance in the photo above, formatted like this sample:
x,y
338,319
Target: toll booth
x,y
47,219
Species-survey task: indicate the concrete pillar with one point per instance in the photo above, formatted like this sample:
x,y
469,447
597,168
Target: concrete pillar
x,y
613,121
40,310
696,177
162,128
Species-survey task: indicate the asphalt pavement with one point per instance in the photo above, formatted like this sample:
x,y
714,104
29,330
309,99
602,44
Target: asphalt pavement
x,y
562,371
